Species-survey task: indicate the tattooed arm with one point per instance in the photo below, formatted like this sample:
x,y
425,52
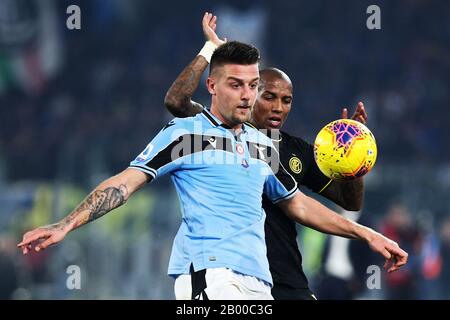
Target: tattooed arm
x,y
108,195
178,98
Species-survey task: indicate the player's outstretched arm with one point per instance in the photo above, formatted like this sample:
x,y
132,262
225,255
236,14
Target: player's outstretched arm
x,y
312,213
348,194
108,195
178,98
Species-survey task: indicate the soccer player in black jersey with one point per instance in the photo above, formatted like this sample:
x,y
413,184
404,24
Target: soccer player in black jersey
x,y
270,111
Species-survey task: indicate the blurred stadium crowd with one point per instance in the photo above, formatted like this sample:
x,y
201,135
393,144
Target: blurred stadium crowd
x,y
77,105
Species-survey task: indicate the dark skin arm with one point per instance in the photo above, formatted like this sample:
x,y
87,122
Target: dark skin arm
x,y
348,194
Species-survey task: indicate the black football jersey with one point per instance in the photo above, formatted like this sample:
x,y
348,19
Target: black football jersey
x,y
284,257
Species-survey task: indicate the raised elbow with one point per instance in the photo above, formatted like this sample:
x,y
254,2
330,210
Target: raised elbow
x,y
171,104
175,106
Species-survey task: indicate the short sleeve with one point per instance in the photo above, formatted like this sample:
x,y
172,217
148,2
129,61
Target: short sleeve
x,y
160,156
279,185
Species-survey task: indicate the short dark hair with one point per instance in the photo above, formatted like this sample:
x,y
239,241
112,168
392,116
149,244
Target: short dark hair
x,y
234,52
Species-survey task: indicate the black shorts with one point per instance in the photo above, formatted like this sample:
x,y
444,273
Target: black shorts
x,y
286,292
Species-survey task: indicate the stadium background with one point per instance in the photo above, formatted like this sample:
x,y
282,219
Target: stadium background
x,y
77,105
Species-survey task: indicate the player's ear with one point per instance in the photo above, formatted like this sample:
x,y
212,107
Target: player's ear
x,y
211,85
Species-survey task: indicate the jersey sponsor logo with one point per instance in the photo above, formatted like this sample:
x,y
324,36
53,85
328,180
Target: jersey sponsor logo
x,y
144,155
265,153
239,149
171,123
245,163
296,165
201,296
261,152
212,141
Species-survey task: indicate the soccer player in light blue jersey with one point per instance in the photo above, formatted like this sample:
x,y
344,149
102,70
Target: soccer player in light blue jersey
x,y
220,168
269,112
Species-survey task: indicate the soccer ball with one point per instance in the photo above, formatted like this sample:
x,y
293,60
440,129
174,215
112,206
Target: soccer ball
x,y
345,149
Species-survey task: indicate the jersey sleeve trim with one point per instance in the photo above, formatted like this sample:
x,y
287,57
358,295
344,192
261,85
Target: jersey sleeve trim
x,y
151,172
286,197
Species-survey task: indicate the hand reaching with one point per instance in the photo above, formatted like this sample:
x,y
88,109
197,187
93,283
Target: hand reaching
x,y
46,236
390,250
359,115
209,24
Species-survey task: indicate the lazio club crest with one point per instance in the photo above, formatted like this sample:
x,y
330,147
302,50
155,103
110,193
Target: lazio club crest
x,y
296,165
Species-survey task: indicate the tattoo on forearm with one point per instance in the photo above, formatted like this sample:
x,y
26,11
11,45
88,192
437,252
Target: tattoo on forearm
x,y
188,80
186,83
96,205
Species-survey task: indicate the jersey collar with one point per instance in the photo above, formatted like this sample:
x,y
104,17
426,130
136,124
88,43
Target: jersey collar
x,y
215,122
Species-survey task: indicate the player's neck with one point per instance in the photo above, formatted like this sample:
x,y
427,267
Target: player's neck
x,y
235,127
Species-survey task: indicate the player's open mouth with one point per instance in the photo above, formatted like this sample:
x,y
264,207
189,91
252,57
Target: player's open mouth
x,y
275,122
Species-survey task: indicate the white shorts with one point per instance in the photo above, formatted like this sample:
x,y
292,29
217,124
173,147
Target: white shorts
x,y
221,284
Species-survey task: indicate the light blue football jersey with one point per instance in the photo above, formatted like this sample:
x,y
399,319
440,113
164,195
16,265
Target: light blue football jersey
x,y
219,178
